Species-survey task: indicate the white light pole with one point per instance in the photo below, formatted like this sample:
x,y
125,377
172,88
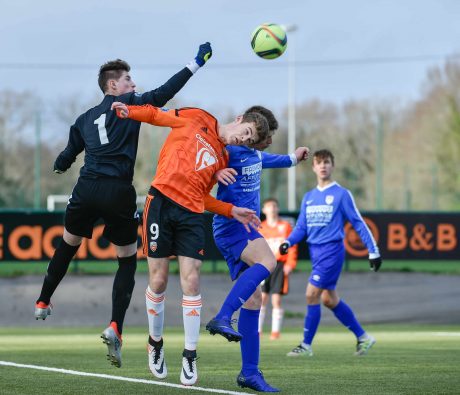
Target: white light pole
x,y
291,116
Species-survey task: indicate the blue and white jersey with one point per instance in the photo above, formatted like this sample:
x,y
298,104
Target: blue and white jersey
x,y
323,214
244,192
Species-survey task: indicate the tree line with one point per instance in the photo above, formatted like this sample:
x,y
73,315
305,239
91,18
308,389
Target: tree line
x,y
392,155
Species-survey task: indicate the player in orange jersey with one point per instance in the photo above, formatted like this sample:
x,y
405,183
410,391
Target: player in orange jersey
x,y
173,213
275,230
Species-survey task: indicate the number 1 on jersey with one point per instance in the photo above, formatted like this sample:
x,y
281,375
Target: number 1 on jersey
x,y
100,122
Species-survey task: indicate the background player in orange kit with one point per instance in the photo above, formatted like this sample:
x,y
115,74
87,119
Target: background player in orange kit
x,y
275,230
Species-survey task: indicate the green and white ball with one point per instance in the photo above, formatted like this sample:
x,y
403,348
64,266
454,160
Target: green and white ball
x,y
269,41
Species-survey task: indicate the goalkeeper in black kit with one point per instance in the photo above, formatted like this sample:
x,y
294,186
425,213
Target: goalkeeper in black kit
x,y
104,188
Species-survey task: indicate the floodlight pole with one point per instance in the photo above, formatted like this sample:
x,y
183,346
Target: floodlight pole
x,y
291,116
379,171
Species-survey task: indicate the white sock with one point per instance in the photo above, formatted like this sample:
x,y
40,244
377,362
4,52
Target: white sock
x,y
263,310
277,320
191,313
155,304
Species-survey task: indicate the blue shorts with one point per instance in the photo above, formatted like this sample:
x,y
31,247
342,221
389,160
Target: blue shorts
x,y
231,242
327,262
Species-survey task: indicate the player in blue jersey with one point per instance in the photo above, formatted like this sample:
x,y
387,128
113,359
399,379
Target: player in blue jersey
x,y
104,188
248,255
323,213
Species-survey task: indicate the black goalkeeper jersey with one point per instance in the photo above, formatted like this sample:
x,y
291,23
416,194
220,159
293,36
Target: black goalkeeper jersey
x,y
110,143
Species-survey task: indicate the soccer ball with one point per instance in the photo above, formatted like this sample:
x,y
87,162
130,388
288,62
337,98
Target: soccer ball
x,y
269,41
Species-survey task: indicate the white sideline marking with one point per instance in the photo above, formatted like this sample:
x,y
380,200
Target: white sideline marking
x,y
446,333
120,378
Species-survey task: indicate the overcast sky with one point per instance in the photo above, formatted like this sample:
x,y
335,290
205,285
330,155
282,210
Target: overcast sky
x,y
158,38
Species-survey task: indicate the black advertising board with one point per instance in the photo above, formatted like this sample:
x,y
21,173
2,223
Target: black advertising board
x,y
32,236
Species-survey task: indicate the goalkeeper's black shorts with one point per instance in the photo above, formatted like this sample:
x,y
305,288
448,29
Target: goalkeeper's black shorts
x,y
111,200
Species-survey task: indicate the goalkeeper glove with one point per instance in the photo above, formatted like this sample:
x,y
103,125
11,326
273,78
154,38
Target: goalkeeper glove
x,y
375,263
57,170
204,53
284,247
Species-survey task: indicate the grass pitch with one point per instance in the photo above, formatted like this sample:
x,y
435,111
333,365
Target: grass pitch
x,y
405,360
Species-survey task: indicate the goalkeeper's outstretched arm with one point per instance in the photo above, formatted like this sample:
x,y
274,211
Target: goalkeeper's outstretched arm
x,y
160,96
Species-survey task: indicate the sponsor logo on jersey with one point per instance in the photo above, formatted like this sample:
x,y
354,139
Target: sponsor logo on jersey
x,y
329,199
244,159
320,209
316,277
205,155
249,170
204,129
199,137
309,201
319,215
201,252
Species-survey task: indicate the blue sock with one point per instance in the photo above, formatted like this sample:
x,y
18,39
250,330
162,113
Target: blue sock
x,y
345,315
311,322
244,287
250,343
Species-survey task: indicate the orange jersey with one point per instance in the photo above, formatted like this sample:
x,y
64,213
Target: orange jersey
x,y
275,236
190,156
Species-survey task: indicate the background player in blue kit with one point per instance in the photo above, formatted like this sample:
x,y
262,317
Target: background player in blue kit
x,y
323,213
248,254
104,188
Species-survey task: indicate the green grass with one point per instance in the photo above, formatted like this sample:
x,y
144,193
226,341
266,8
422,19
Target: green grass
x,y
14,269
406,360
